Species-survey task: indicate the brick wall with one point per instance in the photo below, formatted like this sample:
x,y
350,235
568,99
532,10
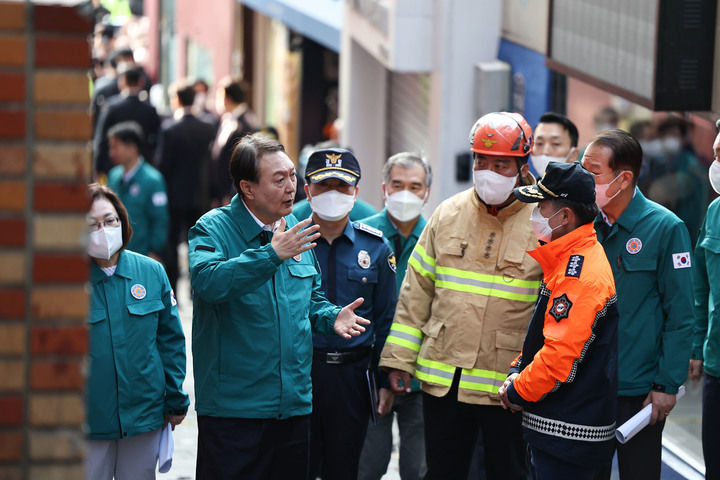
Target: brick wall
x,y
44,168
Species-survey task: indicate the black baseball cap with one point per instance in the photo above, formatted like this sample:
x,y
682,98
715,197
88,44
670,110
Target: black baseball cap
x,y
333,163
568,181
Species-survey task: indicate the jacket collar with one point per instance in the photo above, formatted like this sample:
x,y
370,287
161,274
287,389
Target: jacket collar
x,y
123,269
629,218
555,252
249,229
386,225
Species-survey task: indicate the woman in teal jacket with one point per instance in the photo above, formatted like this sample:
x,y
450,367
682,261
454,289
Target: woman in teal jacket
x,y
137,349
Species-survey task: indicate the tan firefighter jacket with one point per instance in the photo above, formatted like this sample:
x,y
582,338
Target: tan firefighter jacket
x,y
467,298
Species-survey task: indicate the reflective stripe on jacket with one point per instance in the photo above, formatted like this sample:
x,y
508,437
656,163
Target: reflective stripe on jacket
x,y
467,298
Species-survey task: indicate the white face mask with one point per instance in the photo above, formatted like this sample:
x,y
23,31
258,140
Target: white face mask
x,y
671,145
332,206
601,197
493,188
540,162
404,205
541,225
714,174
105,242
651,148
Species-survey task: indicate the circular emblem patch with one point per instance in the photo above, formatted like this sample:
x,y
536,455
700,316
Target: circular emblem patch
x,y
138,291
561,307
134,189
364,259
633,246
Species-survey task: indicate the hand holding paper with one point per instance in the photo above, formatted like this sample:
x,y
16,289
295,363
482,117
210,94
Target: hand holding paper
x,y
639,421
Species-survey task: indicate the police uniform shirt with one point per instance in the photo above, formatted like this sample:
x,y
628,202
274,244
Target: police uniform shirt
x,y
359,263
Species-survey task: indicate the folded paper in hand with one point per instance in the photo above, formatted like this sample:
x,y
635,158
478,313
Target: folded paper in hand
x,y
639,421
165,451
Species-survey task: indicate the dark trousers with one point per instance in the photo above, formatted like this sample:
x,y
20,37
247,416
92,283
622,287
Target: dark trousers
x,y
451,431
181,220
551,467
641,457
252,449
341,408
711,426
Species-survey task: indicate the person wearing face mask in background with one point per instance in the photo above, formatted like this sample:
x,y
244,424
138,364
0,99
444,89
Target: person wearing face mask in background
x,y
556,140
705,355
567,370
679,182
356,261
406,186
649,251
137,349
464,308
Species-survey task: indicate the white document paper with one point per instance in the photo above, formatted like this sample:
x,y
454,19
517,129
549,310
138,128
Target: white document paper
x,y
166,449
639,421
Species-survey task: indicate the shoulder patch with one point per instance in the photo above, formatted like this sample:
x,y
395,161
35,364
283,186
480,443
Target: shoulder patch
x,y
560,307
392,263
681,260
368,229
574,266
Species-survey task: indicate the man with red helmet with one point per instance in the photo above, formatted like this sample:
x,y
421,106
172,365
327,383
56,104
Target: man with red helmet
x,y
464,307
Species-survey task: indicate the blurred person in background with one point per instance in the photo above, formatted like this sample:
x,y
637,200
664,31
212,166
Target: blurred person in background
x,y
136,353
236,121
705,355
182,157
681,183
124,107
200,104
141,188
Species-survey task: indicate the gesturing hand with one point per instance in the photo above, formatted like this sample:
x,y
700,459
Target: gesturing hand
x,y
347,324
289,243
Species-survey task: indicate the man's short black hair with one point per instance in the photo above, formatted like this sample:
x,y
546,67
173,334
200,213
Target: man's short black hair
x,y
184,91
565,122
584,212
128,133
131,74
244,163
672,122
235,89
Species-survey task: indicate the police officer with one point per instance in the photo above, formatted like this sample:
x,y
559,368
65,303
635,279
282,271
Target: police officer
x,y
141,188
648,248
356,261
406,186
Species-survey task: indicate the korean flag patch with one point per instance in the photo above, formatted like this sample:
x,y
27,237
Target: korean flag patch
x,y
561,307
681,260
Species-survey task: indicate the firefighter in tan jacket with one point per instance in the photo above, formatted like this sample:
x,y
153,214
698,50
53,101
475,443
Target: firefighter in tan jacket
x,y
464,307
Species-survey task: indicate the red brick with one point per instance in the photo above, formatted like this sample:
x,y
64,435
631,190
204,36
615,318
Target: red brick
x,y
12,87
53,51
12,233
56,376
11,411
60,268
61,340
63,125
11,446
55,18
12,160
12,303
12,17
12,123
13,50
60,197
12,195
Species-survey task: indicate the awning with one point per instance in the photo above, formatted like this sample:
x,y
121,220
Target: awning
x,y
319,20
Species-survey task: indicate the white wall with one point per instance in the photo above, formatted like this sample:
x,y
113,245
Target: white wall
x,y
465,32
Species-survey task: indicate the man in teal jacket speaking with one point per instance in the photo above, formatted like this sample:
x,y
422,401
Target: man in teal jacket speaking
x,y
256,297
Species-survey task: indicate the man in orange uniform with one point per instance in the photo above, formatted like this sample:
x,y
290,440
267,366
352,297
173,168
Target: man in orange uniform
x,y
565,378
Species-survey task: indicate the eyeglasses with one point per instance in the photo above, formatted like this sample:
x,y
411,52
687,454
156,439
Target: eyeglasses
x,y
111,222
